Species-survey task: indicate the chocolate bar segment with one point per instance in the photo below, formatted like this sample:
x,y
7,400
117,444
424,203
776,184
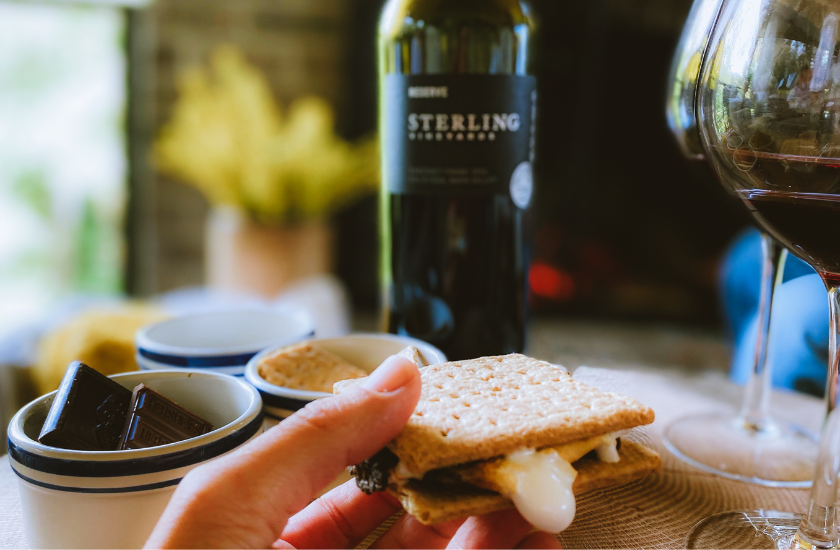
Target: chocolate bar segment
x,y
88,412
156,420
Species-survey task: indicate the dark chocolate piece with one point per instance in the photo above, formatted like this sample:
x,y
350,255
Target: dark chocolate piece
x,y
372,474
88,412
156,420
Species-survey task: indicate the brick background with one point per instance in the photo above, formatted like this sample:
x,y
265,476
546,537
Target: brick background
x,y
298,44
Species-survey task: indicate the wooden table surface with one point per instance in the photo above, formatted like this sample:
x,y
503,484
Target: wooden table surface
x,y
653,513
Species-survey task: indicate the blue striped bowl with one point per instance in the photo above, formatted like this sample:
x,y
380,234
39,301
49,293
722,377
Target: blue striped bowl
x,y
221,342
112,499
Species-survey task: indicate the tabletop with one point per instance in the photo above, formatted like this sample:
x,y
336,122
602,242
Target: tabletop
x,y
659,511
656,512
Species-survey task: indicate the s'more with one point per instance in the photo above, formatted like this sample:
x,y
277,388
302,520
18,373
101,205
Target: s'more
x,y
507,431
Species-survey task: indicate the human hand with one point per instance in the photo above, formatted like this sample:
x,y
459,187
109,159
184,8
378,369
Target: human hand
x,y
251,497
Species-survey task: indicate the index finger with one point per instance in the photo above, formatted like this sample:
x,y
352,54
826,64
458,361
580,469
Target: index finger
x,y
339,519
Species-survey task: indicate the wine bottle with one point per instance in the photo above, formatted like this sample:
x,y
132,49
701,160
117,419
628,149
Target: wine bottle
x,y
457,108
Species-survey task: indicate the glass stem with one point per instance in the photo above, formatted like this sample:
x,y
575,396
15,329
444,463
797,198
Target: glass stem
x,y
819,525
833,351
818,528
755,412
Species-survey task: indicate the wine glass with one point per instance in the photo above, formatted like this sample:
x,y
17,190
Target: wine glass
x,y
767,101
748,445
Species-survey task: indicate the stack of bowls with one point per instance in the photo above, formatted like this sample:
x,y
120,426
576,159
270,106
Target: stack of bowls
x,y
221,342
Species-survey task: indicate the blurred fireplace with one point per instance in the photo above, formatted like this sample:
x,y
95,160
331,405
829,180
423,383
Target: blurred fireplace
x,y
630,228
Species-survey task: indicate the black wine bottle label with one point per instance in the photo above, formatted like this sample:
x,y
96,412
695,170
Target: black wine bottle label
x,y
460,135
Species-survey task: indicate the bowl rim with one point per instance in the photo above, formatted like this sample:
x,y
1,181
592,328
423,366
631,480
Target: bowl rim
x,y
265,387
18,438
150,365
143,341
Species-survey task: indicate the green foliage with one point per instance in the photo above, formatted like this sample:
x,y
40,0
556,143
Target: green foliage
x,y
33,190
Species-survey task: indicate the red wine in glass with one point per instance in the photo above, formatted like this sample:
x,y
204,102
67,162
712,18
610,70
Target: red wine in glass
x,y
807,223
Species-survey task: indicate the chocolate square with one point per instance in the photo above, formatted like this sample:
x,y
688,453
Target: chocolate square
x,y
156,420
88,412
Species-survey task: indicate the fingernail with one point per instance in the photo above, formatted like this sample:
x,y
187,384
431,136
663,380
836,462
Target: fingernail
x,y
391,375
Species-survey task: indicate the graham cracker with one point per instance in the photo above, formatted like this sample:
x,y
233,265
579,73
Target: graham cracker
x,y
306,367
433,503
492,406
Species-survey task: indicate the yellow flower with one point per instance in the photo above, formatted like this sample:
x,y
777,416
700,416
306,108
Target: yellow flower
x,y
228,138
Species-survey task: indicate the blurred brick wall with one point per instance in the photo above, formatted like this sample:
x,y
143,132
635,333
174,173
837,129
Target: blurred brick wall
x,y
299,44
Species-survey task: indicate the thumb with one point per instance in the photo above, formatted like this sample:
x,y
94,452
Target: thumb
x,y
330,434
265,482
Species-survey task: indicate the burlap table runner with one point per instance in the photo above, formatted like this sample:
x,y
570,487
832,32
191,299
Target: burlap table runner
x,y
653,513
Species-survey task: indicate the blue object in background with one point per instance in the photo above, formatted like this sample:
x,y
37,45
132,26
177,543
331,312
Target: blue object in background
x,y
798,325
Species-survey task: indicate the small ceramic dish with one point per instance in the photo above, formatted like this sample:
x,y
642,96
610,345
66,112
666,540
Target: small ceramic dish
x,y
112,499
221,342
366,351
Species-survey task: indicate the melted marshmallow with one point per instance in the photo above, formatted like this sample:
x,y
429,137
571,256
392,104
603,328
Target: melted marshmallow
x,y
606,449
544,494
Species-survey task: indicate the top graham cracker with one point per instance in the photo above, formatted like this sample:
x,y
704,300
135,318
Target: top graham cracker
x,y
491,406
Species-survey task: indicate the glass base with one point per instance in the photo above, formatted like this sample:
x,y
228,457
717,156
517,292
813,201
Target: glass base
x,y
773,455
746,529
770,529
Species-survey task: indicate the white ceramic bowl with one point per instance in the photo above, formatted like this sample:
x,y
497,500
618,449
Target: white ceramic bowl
x,y
366,351
112,499
220,342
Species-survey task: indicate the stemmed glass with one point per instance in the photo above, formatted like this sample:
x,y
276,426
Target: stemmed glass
x,y
748,445
768,101
685,71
